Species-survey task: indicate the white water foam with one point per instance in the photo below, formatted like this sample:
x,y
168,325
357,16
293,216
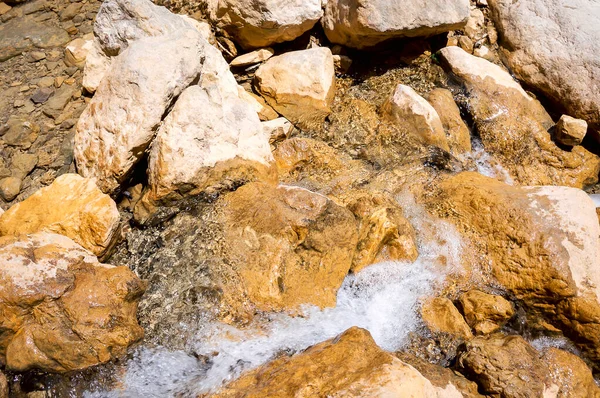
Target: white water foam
x,y
383,298
486,164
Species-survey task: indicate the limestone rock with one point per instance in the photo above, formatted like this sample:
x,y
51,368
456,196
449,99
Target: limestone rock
x,y
350,365
96,65
77,51
251,58
485,313
63,310
300,85
570,131
121,119
412,112
514,127
441,316
72,206
10,188
264,111
570,374
457,132
207,143
260,23
277,129
361,23
552,45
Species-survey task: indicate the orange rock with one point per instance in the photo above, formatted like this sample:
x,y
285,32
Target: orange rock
x,y
441,316
484,312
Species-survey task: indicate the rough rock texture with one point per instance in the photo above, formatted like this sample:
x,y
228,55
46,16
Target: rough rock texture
x,y
441,316
514,127
412,112
570,131
3,386
457,132
251,58
22,34
62,309
365,23
300,85
72,206
570,374
485,313
260,23
77,50
540,243
96,65
350,365
121,119
207,143
553,45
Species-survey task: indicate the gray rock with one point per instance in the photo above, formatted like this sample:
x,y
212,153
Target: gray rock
x,y
22,34
41,95
59,100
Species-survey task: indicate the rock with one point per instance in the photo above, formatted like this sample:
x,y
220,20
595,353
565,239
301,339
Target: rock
x,y
77,51
260,23
96,65
485,313
36,56
570,374
63,310
10,188
70,11
22,164
21,133
384,233
362,24
505,365
4,8
251,58
55,105
203,27
209,142
552,45
277,129
300,85
72,206
411,112
144,79
22,34
514,127
264,111
3,382
350,365
457,132
342,63
216,72
47,81
570,131
475,28
41,95
441,316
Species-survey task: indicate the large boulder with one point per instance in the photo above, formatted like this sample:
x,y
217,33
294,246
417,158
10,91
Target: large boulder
x,y
300,85
350,365
365,23
514,127
260,23
72,206
553,46
61,309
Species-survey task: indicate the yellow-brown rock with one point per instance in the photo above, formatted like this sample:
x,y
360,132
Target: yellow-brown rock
x,y
570,374
485,313
3,386
441,316
289,246
350,365
72,206
61,309
457,132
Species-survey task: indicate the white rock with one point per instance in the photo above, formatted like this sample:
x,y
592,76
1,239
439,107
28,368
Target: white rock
x,y
203,27
215,71
77,50
264,111
413,113
209,141
570,131
254,57
300,85
260,23
120,121
362,24
96,65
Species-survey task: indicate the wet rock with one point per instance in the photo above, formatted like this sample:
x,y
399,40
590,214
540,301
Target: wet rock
x,y
209,142
570,374
514,127
408,110
22,34
361,24
251,58
144,79
570,131
63,310
10,188
441,316
300,85
41,95
260,23
72,206
552,46
77,50
485,313
350,365
457,132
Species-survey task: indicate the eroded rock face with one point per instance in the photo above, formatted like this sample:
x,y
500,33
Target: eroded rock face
x,y
260,23
570,375
350,365
71,206
514,127
485,313
457,132
552,45
441,316
300,85
62,309
365,23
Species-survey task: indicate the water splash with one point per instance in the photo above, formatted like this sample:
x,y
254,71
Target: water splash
x,y
486,164
383,298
